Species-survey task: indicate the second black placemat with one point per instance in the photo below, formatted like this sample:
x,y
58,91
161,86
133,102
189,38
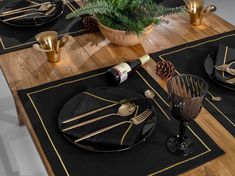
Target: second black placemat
x,y
43,105
189,58
16,38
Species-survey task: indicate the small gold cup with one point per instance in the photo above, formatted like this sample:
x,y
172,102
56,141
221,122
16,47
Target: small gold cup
x,y
54,56
196,18
197,11
50,45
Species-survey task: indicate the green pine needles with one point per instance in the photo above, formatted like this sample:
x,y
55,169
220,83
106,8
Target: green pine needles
x,y
126,15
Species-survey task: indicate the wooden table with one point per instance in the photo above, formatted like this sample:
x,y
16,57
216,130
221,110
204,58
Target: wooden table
x,y
27,68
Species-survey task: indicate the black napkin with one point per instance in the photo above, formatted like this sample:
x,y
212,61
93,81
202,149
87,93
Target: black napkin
x,y
125,135
31,19
224,55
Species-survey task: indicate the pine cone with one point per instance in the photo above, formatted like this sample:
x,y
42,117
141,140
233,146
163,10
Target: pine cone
x,y
165,69
90,23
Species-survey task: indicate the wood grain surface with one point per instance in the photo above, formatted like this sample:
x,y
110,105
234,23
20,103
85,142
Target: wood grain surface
x,y
27,68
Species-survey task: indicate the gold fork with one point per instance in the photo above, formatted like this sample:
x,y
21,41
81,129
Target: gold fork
x,y
134,120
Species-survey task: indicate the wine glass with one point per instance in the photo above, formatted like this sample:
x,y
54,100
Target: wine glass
x,y
186,94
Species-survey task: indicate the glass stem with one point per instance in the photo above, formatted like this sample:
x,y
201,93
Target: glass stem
x,y
183,126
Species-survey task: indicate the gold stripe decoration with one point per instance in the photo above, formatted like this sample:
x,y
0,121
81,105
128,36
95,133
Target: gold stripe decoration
x,y
29,43
49,137
98,97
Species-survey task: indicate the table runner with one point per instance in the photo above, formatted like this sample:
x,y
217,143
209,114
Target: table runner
x,y
189,58
43,104
16,38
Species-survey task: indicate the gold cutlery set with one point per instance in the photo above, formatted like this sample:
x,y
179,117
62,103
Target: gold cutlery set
x,y
126,108
227,68
136,120
41,9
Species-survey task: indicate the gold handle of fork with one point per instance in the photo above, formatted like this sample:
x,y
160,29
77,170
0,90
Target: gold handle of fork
x,y
101,131
134,120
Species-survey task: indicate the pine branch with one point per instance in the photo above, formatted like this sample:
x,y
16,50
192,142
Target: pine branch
x,y
97,7
128,15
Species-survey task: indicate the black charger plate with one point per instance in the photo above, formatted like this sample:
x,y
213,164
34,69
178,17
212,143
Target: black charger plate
x,y
148,127
209,69
31,21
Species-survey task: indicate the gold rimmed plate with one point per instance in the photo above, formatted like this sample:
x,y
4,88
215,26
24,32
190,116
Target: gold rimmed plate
x,y
78,103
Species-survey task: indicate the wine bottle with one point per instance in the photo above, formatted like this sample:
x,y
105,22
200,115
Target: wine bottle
x,y
119,73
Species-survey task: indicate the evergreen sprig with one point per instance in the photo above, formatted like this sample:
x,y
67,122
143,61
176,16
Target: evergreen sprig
x,y
128,15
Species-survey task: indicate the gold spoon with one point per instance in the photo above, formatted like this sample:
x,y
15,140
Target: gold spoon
x,y
150,94
215,98
124,110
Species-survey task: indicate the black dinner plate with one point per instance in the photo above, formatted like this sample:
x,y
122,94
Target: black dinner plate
x,y
210,71
32,20
148,127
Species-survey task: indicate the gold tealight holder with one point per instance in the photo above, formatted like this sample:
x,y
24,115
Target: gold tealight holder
x,y
197,11
49,44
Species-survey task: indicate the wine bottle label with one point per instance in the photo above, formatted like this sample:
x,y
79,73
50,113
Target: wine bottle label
x,y
144,59
123,69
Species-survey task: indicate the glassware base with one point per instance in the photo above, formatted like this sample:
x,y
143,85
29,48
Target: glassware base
x,y
180,149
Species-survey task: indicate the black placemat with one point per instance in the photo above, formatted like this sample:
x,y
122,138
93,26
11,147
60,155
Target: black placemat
x,y
189,58
43,104
16,38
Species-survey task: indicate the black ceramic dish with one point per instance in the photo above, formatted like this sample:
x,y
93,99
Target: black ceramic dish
x,y
210,71
148,128
32,20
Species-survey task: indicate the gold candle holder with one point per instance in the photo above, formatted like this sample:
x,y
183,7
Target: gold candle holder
x,y
197,11
54,56
196,18
50,45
